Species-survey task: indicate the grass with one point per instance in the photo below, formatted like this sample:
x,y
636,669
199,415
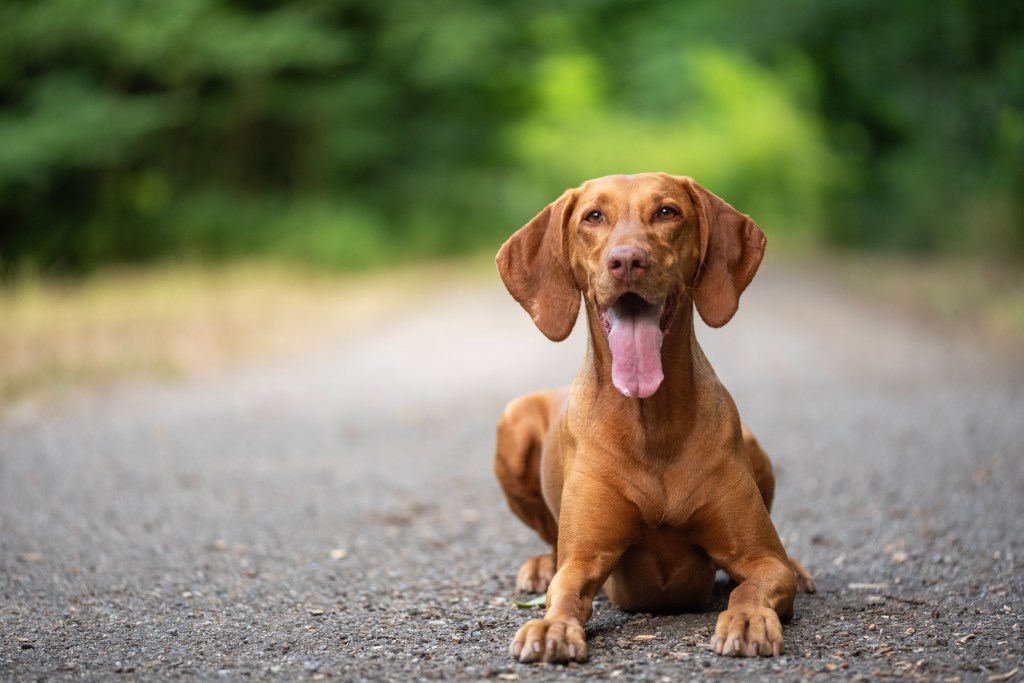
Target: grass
x,y
62,338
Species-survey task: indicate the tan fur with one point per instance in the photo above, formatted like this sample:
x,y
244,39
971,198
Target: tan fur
x,y
643,497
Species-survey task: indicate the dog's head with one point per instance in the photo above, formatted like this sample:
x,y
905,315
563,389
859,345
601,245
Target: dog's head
x,y
637,247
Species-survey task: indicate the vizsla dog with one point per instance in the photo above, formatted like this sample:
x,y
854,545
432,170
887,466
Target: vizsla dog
x,y
640,475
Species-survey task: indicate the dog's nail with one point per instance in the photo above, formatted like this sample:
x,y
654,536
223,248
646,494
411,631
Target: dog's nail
x,y
752,650
716,645
572,651
536,646
517,648
736,645
776,649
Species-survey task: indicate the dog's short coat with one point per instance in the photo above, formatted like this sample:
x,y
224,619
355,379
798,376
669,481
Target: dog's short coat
x,y
640,475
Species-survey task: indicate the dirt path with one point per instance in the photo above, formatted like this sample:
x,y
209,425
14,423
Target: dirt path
x,y
336,517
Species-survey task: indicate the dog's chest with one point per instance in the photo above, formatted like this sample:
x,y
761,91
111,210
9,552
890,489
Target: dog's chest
x,y
664,499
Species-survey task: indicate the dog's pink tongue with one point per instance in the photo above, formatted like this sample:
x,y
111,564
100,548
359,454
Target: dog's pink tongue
x,y
635,341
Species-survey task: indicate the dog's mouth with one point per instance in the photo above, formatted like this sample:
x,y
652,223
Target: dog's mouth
x,y
635,328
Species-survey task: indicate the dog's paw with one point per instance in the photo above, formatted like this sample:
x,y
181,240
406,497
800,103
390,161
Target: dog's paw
x,y
535,574
748,632
549,640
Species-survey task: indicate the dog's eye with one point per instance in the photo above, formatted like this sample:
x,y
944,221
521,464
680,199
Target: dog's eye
x,y
667,212
594,216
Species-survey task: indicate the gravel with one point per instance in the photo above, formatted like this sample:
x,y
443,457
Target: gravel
x,y
335,517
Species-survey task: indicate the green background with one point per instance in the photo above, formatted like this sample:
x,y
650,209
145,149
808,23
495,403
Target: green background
x,y
355,133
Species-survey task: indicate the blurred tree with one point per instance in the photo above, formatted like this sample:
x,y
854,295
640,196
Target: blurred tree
x,y
924,100
351,132
138,129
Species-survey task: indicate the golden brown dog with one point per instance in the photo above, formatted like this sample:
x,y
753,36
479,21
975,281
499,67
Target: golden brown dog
x,y
640,475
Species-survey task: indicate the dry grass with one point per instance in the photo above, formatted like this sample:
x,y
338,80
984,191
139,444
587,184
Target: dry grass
x,y
59,338
979,298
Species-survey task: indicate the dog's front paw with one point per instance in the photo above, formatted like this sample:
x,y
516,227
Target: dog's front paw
x,y
550,640
748,632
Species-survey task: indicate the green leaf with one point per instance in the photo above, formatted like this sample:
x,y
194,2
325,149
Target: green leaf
x,y
539,601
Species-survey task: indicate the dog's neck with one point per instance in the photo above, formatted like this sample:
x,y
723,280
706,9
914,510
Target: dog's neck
x,y
667,414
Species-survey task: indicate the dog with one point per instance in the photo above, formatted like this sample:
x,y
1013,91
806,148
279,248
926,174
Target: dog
x,y
640,475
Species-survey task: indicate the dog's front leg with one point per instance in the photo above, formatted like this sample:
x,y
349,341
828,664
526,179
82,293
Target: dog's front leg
x,y
751,625
596,527
747,547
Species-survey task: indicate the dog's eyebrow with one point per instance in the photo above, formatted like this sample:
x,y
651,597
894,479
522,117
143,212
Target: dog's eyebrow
x,y
601,198
664,198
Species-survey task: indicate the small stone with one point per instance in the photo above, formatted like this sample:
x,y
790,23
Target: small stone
x,y
872,627
316,612
339,554
899,557
311,665
910,631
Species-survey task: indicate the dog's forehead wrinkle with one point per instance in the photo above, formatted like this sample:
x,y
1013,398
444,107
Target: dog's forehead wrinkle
x,y
632,198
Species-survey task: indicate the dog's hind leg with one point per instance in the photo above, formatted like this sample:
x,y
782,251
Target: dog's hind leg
x,y
522,431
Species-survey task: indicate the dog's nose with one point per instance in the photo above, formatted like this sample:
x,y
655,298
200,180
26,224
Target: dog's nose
x,y
628,263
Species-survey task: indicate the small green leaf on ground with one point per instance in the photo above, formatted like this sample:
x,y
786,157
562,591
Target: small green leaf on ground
x,y
538,601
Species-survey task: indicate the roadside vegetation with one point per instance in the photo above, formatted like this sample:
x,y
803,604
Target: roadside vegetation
x,y
352,133
61,338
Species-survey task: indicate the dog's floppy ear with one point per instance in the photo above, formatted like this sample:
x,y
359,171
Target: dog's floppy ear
x,y
534,265
731,247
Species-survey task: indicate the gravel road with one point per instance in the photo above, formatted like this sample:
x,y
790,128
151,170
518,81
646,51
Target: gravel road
x,y
335,517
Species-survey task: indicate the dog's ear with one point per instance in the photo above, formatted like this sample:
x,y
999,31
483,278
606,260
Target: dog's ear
x,y
731,247
534,265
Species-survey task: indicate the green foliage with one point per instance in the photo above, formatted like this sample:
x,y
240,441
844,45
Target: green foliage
x,y
925,102
774,165
349,133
